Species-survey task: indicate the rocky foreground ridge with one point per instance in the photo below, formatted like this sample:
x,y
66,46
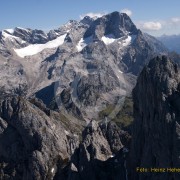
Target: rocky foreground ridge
x,y
156,129
35,144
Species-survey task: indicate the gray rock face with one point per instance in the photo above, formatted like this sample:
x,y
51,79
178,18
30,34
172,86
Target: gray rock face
x,y
35,145
101,154
155,133
31,36
143,48
32,144
12,78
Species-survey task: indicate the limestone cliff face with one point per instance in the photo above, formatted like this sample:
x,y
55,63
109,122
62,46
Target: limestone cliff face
x,y
32,144
156,129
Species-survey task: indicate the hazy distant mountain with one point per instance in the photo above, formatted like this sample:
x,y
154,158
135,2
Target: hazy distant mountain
x,y
172,42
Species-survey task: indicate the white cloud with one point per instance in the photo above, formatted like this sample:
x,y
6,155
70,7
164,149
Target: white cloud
x,y
150,25
175,20
127,11
92,15
155,26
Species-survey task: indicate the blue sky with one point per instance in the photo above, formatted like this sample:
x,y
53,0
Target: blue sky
x,y
156,17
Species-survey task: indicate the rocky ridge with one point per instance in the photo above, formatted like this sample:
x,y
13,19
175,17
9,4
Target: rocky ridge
x,y
32,144
155,142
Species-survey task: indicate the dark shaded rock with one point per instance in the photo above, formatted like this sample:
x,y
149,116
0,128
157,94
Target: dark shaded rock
x,y
155,133
31,36
46,94
87,20
101,154
32,145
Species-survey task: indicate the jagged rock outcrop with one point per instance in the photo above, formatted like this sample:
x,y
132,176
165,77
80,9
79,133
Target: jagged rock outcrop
x,y
31,36
33,145
101,154
156,129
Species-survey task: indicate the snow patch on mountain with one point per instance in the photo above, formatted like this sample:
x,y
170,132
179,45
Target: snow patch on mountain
x,y
27,30
7,34
83,43
127,41
108,39
11,31
36,48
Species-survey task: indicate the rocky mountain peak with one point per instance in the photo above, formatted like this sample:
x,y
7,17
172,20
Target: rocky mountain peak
x,y
87,20
100,154
116,24
31,36
164,73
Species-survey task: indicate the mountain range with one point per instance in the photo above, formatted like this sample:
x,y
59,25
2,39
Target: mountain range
x,y
172,42
79,102
93,62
